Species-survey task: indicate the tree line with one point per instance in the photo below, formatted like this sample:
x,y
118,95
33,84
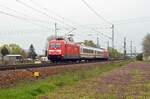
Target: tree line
x,y
146,49
14,49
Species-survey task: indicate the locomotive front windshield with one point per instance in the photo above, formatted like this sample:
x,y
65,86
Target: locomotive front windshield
x,y
55,45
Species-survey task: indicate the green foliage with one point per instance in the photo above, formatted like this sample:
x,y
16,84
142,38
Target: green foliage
x,y
15,49
31,53
113,53
4,51
146,45
139,57
89,43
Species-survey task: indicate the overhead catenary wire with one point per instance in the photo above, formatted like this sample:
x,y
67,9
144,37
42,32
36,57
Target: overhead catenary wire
x,y
61,17
43,13
29,17
48,10
132,21
101,17
22,18
96,13
102,34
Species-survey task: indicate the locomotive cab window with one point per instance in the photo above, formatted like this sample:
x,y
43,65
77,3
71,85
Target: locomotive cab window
x,y
55,45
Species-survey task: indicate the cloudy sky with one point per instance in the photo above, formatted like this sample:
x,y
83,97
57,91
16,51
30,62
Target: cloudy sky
x,y
32,21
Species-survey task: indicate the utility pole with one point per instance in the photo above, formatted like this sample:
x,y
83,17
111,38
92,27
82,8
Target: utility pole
x,y
135,51
131,48
97,41
112,36
112,39
108,45
55,30
125,47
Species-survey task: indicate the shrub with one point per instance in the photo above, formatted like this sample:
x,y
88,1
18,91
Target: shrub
x,y
139,57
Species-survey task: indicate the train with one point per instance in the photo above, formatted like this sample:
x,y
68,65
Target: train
x,y
61,49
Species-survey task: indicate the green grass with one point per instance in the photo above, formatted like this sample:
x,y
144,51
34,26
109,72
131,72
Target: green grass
x,y
32,90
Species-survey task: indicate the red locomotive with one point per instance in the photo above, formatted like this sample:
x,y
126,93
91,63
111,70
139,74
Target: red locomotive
x,y
63,50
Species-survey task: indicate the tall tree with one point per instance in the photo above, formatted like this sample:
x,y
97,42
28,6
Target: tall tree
x,y
146,45
15,49
89,43
32,54
4,52
113,53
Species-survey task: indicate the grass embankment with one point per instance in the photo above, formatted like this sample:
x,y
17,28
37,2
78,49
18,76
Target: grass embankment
x,y
31,90
131,81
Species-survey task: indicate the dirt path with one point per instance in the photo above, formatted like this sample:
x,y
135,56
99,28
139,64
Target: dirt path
x,y
128,82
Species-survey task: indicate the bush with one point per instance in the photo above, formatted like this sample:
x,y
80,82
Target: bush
x,y
139,57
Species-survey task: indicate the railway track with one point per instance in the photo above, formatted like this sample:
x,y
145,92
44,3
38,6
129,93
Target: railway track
x,y
26,66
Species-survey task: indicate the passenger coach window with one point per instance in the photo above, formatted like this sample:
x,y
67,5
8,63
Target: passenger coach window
x,y
87,51
57,45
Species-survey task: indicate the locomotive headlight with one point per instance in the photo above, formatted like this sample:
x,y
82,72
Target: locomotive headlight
x,y
51,50
58,50
55,51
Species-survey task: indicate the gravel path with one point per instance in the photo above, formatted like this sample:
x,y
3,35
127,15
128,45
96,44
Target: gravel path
x,y
11,77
